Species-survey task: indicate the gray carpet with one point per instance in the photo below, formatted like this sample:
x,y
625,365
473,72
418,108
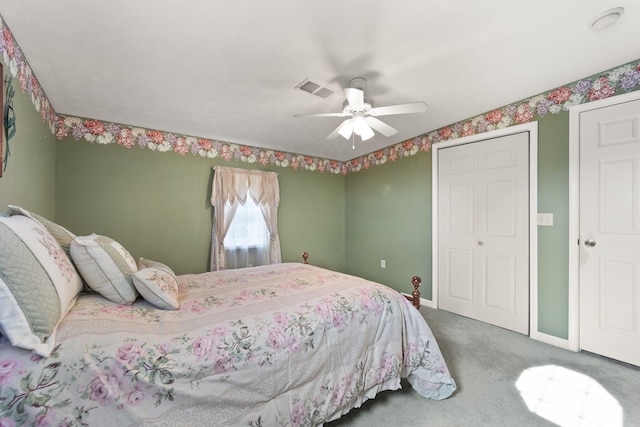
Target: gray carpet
x,y
487,361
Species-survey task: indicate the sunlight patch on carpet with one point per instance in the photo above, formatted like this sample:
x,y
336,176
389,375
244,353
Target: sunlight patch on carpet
x,y
568,398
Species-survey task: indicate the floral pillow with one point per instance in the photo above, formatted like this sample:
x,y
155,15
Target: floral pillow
x,y
61,234
106,266
158,287
38,284
146,263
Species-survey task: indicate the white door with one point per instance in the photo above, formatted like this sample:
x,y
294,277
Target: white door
x,y
610,231
483,230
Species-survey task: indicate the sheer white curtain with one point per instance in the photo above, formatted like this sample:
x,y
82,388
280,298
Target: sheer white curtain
x,y
231,188
247,241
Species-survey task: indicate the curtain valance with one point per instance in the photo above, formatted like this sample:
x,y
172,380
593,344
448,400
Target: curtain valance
x,y
234,184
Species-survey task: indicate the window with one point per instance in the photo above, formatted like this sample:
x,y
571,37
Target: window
x,y
247,228
245,218
247,241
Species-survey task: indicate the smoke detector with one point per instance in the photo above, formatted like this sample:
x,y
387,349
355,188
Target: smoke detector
x,y
606,19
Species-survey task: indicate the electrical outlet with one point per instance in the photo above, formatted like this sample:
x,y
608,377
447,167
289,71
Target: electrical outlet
x,y
383,263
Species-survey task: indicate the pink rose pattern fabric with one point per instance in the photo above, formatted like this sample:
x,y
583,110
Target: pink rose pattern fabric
x,y
286,344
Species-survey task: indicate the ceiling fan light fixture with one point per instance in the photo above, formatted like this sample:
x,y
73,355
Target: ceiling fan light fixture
x,y
359,124
362,115
361,128
346,129
367,133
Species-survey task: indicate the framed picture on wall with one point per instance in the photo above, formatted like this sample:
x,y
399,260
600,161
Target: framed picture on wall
x,y
8,121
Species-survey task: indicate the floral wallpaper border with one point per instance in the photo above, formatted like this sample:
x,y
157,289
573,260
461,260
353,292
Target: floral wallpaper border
x,y
14,59
625,78
621,79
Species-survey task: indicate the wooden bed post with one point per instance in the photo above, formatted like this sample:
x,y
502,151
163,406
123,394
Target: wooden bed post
x,y
416,281
304,257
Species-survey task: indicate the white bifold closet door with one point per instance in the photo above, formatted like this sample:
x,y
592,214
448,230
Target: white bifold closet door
x,y
483,231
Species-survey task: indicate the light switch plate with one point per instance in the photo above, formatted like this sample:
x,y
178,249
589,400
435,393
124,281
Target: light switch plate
x,y
545,219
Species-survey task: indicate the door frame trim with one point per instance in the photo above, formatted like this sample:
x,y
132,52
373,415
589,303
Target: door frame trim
x,y
574,208
532,128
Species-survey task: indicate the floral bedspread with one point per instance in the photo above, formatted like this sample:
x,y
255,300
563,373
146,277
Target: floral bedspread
x,y
279,345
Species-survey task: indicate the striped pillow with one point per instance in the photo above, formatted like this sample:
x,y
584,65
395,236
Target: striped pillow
x,y
106,266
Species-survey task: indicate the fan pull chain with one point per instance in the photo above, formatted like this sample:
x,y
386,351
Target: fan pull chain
x,y
353,141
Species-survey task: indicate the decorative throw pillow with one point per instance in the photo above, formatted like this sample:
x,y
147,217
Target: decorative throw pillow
x,y
146,263
158,287
38,284
106,266
61,234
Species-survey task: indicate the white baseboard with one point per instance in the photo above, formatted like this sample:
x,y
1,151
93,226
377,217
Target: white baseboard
x,y
555,341
427,303
423,302
538,336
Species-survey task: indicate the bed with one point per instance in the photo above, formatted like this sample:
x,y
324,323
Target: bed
x,y
288,344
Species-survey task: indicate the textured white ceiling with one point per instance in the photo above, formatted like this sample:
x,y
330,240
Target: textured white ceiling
x,y
227,70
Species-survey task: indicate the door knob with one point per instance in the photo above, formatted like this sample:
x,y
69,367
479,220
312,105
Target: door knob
x,y
590,243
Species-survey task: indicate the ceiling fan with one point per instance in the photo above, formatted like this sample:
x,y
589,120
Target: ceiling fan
x,y
362,115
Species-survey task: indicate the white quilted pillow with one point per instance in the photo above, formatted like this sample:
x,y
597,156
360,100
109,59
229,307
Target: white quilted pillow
x,y
106,266
38,284
58,232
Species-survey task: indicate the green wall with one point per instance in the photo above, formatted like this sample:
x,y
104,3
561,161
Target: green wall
x,y
388,218
553,242
157,204
29,180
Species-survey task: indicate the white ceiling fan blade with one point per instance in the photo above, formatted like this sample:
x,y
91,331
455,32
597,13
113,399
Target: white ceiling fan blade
x,y
380,126
355,97
414,107
346,126
321,115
